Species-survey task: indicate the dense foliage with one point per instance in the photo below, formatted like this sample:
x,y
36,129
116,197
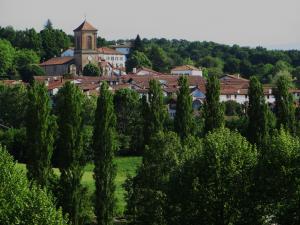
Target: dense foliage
x,y
21,202
91,70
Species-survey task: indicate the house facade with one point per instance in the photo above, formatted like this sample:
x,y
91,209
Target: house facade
x,y
115,58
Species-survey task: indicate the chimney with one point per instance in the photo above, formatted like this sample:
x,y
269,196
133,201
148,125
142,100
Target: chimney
x,y
134,70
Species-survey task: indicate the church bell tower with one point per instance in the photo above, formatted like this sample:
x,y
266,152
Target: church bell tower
x,y
85,46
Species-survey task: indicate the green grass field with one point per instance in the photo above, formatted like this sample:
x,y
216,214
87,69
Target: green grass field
x,y
125,166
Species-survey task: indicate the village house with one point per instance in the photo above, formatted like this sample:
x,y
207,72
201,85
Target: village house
x,y
115,58
186,70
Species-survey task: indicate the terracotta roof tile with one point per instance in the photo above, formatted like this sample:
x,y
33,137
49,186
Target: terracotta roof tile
x,y
85,26
185,67
57,61
108,51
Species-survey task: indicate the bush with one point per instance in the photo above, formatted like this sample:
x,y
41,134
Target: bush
x,y
232,108
91,70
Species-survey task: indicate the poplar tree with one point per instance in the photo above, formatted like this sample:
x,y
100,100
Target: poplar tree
x,y
70,150
213,109
155,114
104,146
284,105
258,128
40,128
184,121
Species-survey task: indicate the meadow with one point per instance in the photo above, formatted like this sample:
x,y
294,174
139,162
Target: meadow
x,y
126,166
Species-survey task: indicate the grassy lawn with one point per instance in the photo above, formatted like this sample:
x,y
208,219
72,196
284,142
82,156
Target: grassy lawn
x,y
125,166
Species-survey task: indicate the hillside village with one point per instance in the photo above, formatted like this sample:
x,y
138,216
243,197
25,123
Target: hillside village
x,y
112,60
132,133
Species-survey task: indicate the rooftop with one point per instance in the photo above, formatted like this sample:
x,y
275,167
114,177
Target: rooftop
x,y
109,51
185,67
57,61
85,26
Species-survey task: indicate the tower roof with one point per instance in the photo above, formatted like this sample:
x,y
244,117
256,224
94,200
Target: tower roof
x,y
85,26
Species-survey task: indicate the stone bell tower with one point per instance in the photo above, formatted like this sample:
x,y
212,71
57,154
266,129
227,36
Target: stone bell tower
x,y
85,46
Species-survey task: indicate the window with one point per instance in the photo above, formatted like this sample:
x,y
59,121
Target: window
x,y
89,42
228,96
77,42
235,96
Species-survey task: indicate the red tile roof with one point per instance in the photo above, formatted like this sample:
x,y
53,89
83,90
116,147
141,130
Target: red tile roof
x,y
184,68
108,51
57,61
85,26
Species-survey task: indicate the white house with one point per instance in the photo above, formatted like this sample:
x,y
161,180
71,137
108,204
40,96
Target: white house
x,y
186,70
115,58
123,48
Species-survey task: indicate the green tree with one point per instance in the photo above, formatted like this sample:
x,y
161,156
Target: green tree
x,y
211,62
138,44
155,113
48,24
70,151
91,69
127,105
184,119
28,39
213,109
232,65
54,41
159,59
6,56
104,146
13,104
146,192
278,179
214,186
21,202
136,60
26,64
258,129
284,105
40,128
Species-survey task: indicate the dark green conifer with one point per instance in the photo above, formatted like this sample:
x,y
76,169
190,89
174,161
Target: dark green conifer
x,y
213,109
104,146
258,126
284,105
40,128
70,151
184,120
155,114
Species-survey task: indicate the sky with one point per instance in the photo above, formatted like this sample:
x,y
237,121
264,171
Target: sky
x,y
267,23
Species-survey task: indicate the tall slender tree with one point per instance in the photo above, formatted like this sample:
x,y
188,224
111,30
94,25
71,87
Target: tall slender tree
x,y
70,150
155,114
213,109
104,146
258,128
40,128
284,105
184,120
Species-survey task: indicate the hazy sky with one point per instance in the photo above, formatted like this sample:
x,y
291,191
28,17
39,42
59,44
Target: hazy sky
x,y
270,23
